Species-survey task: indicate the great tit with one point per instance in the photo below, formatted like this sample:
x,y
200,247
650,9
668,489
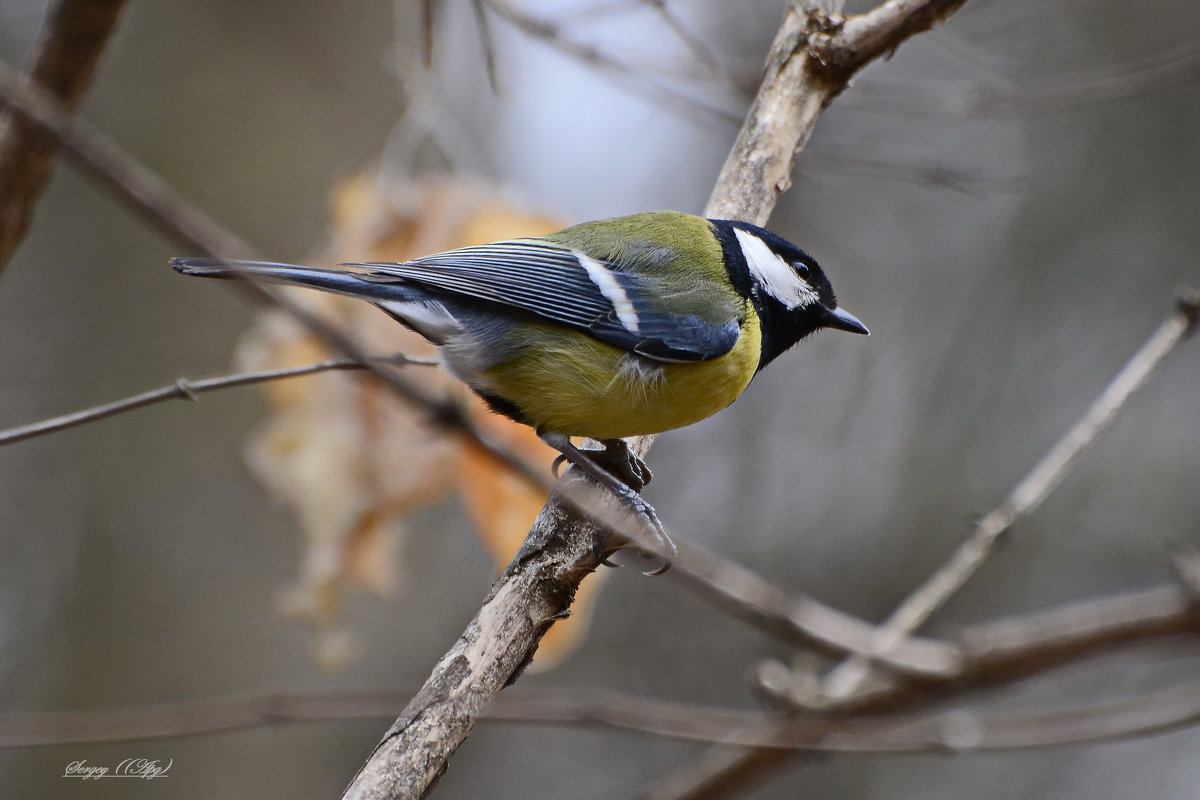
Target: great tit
x,y
608,329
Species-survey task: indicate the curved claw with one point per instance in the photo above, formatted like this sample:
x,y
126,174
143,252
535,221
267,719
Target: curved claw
x,y
659,533
660,570
666,561
556,465
601,556
607,464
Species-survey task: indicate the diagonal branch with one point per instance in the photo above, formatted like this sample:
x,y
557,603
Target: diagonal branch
x,y
184,389
847,686
151,197
628,75
72,41
142,190
1025,496
539,584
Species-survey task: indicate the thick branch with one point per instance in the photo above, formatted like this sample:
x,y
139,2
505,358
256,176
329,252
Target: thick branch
x,y
150,196
72,40
812,60
794,90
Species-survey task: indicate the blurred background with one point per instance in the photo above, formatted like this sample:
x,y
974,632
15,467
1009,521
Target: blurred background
x,y
1009,203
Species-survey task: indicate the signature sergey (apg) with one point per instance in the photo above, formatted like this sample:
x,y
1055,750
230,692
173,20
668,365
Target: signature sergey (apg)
x,y
144,768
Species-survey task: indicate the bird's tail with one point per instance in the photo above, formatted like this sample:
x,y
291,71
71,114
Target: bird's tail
x,y
354,284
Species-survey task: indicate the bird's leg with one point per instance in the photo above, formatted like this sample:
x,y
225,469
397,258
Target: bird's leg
x,y
615,457
614,463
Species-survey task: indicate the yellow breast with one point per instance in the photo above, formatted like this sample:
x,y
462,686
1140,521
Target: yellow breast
x,y
579,386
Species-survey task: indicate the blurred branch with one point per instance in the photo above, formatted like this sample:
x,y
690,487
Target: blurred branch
x,y
699,50
724,768
955,732
1000,650
847,158
801,620
631,77
184,389
194,717
428,13
539,584
1017,647
145,192
71,43
1113,82
151,197
1025,496
487,43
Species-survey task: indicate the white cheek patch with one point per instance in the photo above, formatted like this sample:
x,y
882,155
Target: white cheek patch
x,y
775,275
611,289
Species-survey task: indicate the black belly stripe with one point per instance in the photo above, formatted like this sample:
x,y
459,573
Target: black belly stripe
x,y
503,407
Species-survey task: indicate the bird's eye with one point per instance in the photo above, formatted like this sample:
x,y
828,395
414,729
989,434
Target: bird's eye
x,y
802,269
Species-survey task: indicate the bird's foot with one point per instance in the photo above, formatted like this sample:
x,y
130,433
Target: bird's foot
x,y
605,543
616,457
608,465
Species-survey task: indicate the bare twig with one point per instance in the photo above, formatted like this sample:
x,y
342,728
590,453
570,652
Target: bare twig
x,y
1016,647
150,196
1115,81
1020,646
184,389
538,585
487,43
699,50
428,13
1000,650
193,717
847,158
72,41
802,620
956,732
1025,496
631,77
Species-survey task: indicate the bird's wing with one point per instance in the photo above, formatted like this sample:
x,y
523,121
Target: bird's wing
x,y
567,287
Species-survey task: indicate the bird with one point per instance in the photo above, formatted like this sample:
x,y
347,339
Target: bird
x,y
608,329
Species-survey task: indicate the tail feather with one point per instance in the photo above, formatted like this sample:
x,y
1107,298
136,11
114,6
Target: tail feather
x,y
408,304
329,280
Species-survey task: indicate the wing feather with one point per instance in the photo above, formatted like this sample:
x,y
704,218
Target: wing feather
x,y
548,280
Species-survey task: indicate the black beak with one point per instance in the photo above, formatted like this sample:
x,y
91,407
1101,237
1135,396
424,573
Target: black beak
x,y
843,321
